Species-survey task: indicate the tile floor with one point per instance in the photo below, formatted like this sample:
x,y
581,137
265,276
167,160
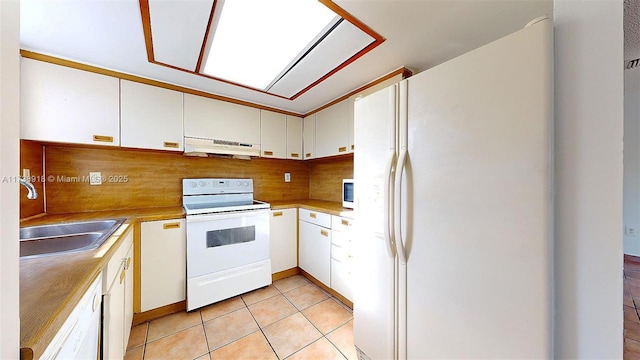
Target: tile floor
x,y
291,319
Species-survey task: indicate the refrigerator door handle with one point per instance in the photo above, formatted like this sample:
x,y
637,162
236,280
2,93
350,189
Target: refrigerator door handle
x,y
388,207
402,256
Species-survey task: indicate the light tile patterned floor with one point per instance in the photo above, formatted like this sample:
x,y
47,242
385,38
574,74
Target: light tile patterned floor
x,y
291,319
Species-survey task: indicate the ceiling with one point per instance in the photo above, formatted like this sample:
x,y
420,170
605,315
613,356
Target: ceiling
x,y
419,35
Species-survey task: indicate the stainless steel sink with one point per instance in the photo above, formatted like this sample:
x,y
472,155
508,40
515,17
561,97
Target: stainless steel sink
x,y
65,238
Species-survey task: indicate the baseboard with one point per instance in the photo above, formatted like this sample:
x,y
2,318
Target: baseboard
x,y
327,289
143,317
285,273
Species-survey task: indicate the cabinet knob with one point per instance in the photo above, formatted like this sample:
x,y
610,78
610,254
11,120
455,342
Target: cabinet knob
x,y
307,155
342,149
268,153
324,233
295,155
102,138
174,145
277,213
345,222
312,215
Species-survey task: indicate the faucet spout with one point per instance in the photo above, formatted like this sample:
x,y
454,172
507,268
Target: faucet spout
x,y
32,192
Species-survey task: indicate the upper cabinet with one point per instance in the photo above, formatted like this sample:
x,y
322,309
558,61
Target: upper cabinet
x,y
309,137
273,132
220,120
294,137
150,117
332,130
61,104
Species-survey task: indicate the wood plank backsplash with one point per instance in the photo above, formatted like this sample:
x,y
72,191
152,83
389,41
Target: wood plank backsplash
x,y
154,179
325,177
31,158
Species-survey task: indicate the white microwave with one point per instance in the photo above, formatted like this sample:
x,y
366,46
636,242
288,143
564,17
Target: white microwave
x,y
347,193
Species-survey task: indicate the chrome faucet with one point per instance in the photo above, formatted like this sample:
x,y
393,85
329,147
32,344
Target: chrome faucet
x,y
32,192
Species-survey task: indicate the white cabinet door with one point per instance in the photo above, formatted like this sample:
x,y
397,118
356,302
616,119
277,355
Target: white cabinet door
x,y
214,119
61,104
294,137
315,251
118,300
163,267
284,233
332,130
150,117
309,136
273,134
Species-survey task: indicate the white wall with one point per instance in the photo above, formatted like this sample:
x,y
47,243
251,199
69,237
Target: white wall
x,y
588,155
632,159
9,166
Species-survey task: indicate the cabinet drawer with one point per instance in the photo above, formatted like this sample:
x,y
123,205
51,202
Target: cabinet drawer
x,y
341,223
341,239
339,254
315,217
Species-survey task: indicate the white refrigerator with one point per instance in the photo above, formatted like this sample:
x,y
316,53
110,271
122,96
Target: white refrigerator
x,y
453,181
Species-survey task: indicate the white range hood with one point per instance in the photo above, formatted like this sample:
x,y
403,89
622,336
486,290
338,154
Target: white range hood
x,y
202,147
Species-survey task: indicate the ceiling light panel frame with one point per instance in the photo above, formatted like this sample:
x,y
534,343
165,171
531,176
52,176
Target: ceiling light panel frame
x,y
312,51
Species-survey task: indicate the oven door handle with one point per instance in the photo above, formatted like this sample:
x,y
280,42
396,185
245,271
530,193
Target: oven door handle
x,y
226,215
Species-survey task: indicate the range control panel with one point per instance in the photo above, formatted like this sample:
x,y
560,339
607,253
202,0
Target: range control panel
x,y
216,186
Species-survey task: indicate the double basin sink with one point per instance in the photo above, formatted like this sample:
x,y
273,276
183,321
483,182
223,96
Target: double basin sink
x,y
36,241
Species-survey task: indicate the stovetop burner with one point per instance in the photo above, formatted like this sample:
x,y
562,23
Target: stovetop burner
x,y
206,196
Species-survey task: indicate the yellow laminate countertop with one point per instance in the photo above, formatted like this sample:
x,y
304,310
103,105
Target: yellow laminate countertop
x,y
51,286
329,207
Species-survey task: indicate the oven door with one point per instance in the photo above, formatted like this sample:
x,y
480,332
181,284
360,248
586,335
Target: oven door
x,y
222,241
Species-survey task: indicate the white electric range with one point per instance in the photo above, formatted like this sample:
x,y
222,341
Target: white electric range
x,y
227,240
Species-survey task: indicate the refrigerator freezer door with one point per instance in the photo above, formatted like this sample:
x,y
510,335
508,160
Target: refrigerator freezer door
x,y
375,270
477,221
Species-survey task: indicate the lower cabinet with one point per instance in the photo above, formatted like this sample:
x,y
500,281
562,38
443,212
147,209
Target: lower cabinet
x,y
283,236
315,250
342,256
163,263
118,301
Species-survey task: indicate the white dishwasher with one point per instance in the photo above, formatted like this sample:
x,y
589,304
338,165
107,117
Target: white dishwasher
x,y
78,336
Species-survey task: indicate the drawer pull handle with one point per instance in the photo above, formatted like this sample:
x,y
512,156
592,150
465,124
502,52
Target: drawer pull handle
x,y
312,215
307,155
268,152
127,264
102,138
324,233
175,225
345,222
295,155
122,275
174,145
342,149
352,147
277,213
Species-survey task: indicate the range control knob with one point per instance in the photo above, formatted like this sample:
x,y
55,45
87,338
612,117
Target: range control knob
x,y
238,183
246,183
193,184
203,184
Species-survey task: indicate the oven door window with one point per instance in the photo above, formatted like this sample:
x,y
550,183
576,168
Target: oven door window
x,y
238,235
